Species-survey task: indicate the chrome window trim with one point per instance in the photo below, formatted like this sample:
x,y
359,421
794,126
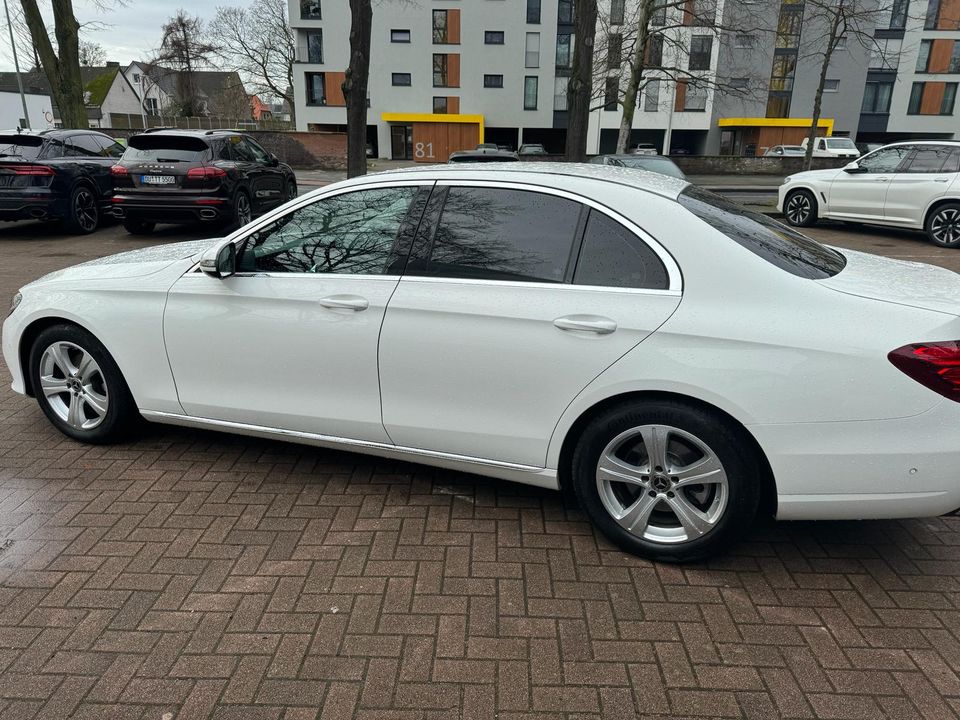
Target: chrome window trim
x,y
538,284
674,274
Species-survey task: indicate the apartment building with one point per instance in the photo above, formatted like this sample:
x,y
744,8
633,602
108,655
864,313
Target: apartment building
x,y
725,77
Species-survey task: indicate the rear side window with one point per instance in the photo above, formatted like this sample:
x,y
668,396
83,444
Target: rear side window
x,y
502,234
613,256
774,242
929,159
84,146
24,147
166,148
110,147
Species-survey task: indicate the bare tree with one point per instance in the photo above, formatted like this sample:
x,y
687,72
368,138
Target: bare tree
x,y
580,85
355,86
183,48
92,54
258,42
61,64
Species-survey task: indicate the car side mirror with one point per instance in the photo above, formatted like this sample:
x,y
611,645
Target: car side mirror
x,y
274,161
853,168
219,262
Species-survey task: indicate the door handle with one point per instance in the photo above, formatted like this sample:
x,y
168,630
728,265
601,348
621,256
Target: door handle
x,y
881,179
345,302
586,323
941,179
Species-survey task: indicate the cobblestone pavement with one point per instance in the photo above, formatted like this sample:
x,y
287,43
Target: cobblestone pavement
x,y
194,575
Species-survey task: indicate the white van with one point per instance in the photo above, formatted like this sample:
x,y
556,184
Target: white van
x,y
842,147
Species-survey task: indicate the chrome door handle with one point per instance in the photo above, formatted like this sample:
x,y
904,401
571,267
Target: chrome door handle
x,y
586,323
941,179
881,179
345,302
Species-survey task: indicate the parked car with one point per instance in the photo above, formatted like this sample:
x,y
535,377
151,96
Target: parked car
x,y
483,156
785,151
868,147
61,175
653,163
910,185
185,176
644,149
550,324
836,147
488,146
532,149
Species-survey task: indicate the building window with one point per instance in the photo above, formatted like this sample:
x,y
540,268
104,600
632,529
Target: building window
x,y
440,106
313,52
739,84
439,70
876,98
695,100
565,11
611,93
560,94
533,12
440,29
655,50
493,37
932,98
310,9
617,12
702,13
939,56
942,15
152,106
400,36
614,51
136,78
402,79
701,47
885,53
744,42
898,14
530,88
659,15
651,96
316,94
493,81
831,86
532,56
564,51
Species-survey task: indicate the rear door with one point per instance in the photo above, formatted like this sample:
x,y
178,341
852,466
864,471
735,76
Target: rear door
x,y
924,177
493,329
254,162
862,195
86,151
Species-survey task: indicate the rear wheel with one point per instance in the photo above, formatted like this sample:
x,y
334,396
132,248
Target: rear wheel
x,y
79,386
139,227
83,215
943,225
666,481
800,208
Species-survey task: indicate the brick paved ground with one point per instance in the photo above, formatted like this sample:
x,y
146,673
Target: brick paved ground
x,y
195,575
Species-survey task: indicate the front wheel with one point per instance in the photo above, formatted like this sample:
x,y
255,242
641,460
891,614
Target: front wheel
x,y
242,209
800,208
79,386
290,192
666,481
943,226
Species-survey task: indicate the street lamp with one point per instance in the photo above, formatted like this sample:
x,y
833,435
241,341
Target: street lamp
x,y
16,66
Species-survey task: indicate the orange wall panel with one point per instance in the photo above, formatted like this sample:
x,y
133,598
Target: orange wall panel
x,y
932,98
333,85
940,52
681,96
453,70
949,15
453,27
453,105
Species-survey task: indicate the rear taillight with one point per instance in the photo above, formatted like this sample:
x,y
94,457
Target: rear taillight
x,y
119,171
43,170
935,365
206,172
121,176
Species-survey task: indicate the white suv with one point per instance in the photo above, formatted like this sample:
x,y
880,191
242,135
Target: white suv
x,y
910,185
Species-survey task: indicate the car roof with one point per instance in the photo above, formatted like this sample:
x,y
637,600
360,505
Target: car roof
x,y
190,133
537,173
952,143
641,158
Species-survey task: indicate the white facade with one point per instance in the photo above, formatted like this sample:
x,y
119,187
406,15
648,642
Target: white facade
x,y
40,108
150,96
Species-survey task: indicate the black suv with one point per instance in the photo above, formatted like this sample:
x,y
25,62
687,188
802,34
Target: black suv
x,y
207,176
57,175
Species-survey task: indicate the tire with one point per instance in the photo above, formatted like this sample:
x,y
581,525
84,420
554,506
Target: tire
x,y
680,523
800,208
93,404
139,227
241,210
943,225
290,191
83,213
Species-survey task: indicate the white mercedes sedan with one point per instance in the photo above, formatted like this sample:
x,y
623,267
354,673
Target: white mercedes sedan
x,y
678,362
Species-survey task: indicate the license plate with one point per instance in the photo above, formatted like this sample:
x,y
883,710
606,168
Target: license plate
x,y
157,179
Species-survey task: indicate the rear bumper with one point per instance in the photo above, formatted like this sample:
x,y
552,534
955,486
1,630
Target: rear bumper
x,y
907,467
172,209
36,203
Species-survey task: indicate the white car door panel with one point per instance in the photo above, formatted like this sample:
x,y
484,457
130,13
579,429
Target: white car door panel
x,y
483,367
290,342
861,195
927,176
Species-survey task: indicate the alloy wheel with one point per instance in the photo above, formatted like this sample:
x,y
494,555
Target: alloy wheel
x,y
73,385
662,484
244,213
798,209
85,210
945,226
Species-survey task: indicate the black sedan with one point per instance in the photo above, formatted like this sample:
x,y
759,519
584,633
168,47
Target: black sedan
x,y
58,175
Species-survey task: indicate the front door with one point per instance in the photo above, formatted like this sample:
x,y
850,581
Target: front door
x,y
925,176
492,333
861,195
401,142
266,181
290,341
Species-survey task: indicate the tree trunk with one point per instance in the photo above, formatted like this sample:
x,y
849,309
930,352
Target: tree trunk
x,y
818,96
61,66
355,86
637,66
580,86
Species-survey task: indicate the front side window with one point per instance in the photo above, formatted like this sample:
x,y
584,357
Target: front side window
x,y
351,234
84,145
776,243
612,256
500,234
885,160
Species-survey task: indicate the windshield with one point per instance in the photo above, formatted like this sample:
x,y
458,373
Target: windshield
x,y
20,146
773,241
840,144
166,148
658,165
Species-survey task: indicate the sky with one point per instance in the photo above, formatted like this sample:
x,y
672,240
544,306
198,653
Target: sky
x,y
133,30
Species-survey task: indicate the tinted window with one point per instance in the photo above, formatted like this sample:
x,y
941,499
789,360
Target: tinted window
x,y
928,159
241,151
166,148
259,154
109,147
613,256
84,145
352,234
952,164
774,242
499,234
885,160
20,146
